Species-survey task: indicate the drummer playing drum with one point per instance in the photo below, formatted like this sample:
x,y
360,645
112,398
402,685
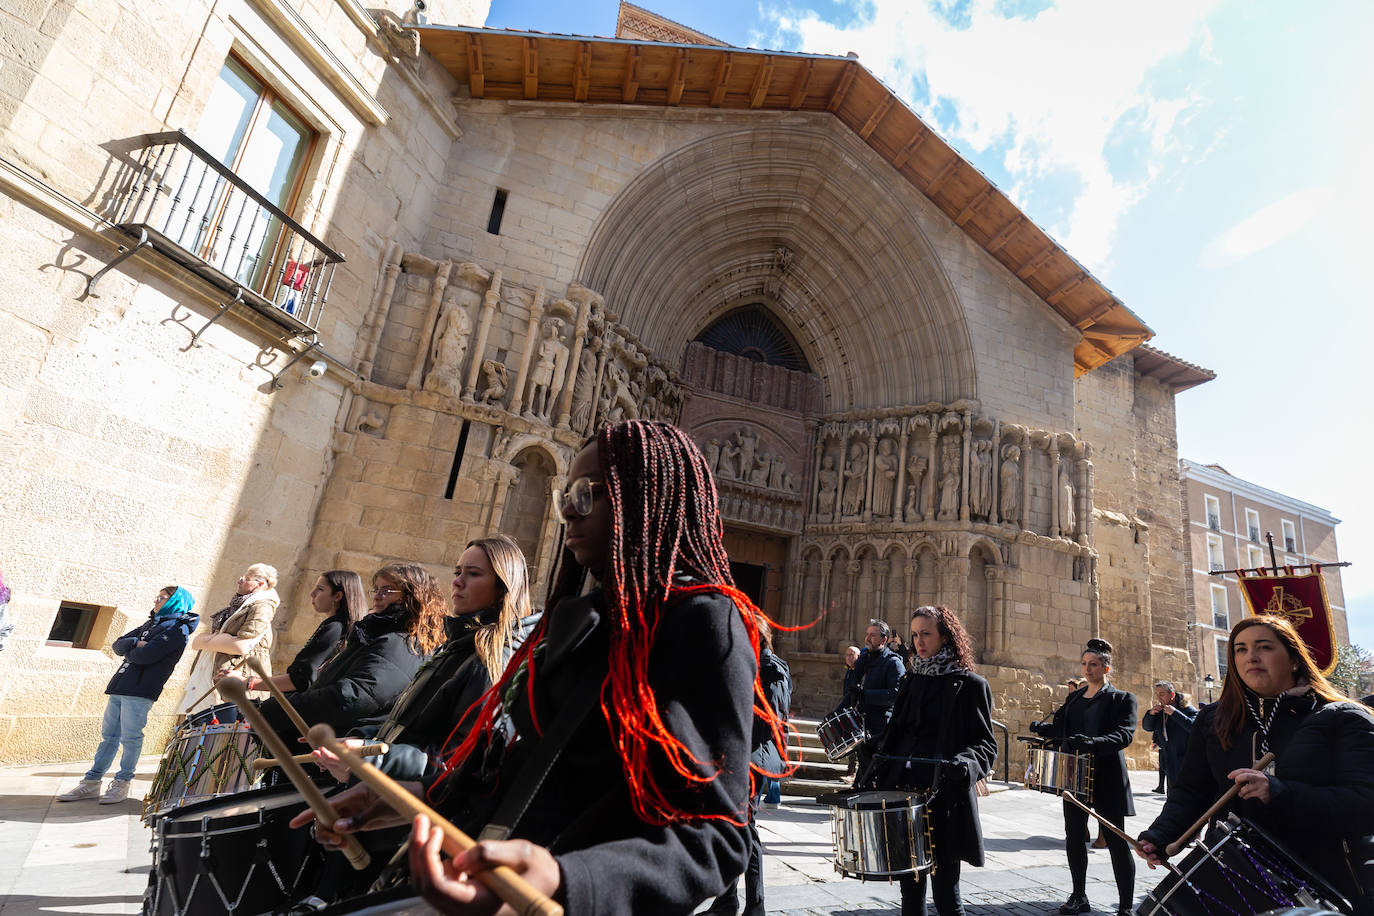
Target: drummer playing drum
x,y
1317,798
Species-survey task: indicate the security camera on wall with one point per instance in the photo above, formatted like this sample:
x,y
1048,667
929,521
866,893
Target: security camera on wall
x,y
317,368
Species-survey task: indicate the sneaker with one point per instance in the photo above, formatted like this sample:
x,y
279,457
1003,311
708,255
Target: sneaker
x,y
1077,903
86,788
116,793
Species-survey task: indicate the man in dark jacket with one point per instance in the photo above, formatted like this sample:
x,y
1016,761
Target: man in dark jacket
x,y
880,673
150,652
1170,719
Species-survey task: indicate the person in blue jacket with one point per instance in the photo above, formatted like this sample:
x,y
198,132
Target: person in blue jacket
x,y
150,652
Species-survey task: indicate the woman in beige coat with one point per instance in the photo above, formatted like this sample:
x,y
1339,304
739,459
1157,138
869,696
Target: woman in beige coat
x,y
241,629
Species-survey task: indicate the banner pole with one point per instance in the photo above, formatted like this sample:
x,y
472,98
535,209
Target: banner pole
x,y
1273,560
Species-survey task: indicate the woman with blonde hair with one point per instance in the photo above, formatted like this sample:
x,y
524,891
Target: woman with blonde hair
x,y
241,628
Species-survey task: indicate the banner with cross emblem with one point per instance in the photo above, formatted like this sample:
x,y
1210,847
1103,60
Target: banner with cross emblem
x,y
1301,598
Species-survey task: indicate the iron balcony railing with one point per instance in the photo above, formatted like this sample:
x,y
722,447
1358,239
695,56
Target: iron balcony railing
x,y
185,203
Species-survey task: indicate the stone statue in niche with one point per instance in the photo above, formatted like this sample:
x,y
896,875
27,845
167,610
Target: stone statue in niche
x,y
495,381
949,484
617,390
550,368
726,469
980,489
1010,481
916,470
829,481
1066,513
855,477
450,346
584,391
758,474
884,477
712,452
777,473
748,443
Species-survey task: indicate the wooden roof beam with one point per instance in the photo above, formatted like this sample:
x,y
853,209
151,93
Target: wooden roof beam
x,y
1095,315
1065,288
971,208
477,81
1005,234
759,91
847,75
727,62
801,86
877,117
678,81
1036,261
922,132
942,176
531,68
582,71
630,88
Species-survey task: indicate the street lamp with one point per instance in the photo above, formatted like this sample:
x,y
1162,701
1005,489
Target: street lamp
x,y
1209,682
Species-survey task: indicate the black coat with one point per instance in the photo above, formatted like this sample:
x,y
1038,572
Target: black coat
x,y
1321,793
1109,728
306,665
949,717
1171,734
363,679
146,668
776,680
702,669
880,675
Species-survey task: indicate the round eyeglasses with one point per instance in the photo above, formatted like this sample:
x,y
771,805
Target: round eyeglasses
x,y
578,498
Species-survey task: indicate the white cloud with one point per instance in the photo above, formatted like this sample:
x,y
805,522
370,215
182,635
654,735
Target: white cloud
x,y
1270,225
1053,90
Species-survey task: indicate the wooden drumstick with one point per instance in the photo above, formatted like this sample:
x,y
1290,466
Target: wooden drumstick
x,y
500,880
261,671
1230,793
1135,844
237,691
367,750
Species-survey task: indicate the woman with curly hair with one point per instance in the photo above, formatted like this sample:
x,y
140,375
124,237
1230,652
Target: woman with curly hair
x,y
943,712
378,657
1317,797
636,699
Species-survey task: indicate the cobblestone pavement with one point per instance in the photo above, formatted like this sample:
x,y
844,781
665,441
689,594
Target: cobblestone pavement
x,y
81,857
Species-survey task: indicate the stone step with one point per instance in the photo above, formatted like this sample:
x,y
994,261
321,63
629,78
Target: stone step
x,y
812,788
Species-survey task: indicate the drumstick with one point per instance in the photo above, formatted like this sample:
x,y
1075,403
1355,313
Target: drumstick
x,y
256,664
500,880
1230,793
324,812
367,750
204,696
1135,844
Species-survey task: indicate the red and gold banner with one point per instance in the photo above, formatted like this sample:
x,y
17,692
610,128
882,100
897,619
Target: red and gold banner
x,y
1300,597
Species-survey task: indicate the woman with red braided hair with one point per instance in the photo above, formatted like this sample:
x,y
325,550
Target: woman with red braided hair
x,y
635,701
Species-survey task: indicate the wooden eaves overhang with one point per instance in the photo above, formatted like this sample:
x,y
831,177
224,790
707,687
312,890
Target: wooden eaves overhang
x,y
533,66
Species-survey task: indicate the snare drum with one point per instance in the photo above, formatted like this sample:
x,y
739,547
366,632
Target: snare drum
x,y
881,834
232,855
394,902
209,755
1055,771
1239,869
841,733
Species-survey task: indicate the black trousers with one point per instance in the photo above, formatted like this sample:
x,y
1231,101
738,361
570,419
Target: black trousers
x,y
944,880
1123,861
753,875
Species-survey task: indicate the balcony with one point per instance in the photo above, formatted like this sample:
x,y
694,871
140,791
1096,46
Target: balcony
x,y
1214,566
1213,522
1290,545
188,206
1254,535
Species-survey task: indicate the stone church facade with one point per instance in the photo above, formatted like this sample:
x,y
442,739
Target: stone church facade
x,y
498,241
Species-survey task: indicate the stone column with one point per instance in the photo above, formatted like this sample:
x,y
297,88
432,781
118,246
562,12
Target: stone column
x,y
899,491
968,457
794,589
823,602
868,485
479,350
852,569
506,478
1025,480
1085,499
381,307
584,299
1054,487
532,338
883,568
995,485
912,568
436,298
815,478
996,623
933,471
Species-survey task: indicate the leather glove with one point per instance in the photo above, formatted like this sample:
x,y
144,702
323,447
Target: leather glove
x,y
1078,743
1043,729
954,773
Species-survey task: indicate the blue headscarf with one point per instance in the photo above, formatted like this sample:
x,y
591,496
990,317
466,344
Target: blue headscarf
x,y
180,602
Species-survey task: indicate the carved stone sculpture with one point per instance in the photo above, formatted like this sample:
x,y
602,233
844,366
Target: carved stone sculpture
x,y
549,369
828,480
726,469
884,477
916,470
855,477
495,381
584,391
450,346
748,442
1010,482
980,489
758,474
777,473
949,485
712,452
1066,513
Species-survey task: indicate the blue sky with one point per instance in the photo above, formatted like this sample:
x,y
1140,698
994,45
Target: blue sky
x,y
1208,160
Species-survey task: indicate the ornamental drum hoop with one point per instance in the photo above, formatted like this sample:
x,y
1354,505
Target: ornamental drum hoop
x,y
882,834
1239,869
1058,771
842,732
212,756
232,855
394,902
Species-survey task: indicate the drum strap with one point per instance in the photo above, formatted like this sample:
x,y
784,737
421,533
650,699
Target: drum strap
x,y
537,767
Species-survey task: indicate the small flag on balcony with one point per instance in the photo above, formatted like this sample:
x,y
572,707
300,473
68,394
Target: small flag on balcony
x,y
1301,598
